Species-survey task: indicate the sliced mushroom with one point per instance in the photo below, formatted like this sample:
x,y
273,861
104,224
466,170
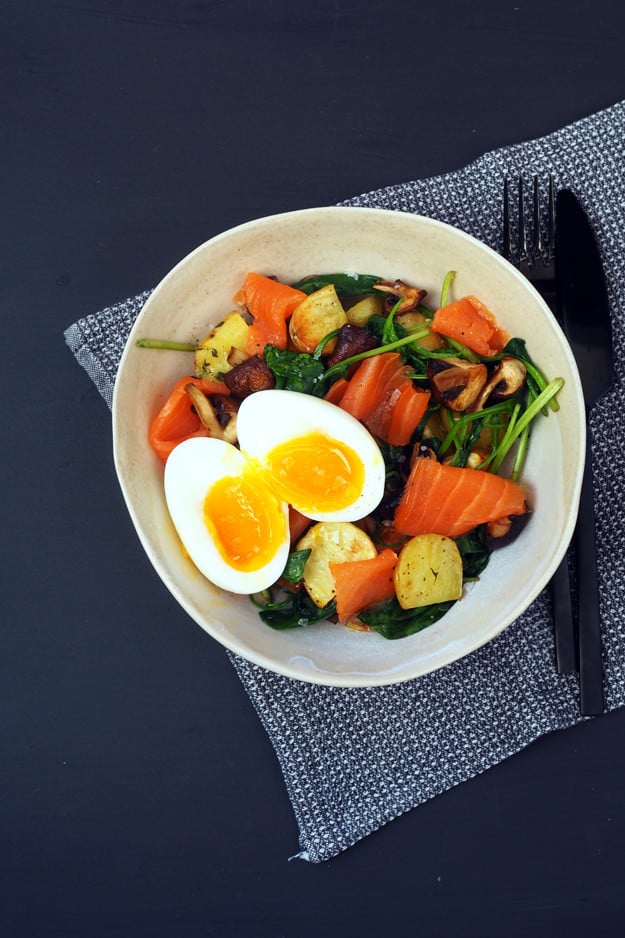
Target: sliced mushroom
x,y
502,532
252,374
236,356
351,340
422,450
226,408
455,383
208,416
499,528
475,458
397,289
356,625
507,378
204,410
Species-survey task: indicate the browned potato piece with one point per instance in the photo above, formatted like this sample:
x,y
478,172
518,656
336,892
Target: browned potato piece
x,y
211,356
429,570
361,312
316,316
414,320
331,542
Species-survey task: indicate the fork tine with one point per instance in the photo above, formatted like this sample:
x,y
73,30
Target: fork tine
x,y
531,247
548,243
521,223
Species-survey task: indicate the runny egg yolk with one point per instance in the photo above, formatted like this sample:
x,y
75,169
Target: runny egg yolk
x,y
245,520
316,473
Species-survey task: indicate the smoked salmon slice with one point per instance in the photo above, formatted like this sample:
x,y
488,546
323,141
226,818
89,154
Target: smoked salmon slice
x,y
363,583
450,500
383,396
470,322
270,304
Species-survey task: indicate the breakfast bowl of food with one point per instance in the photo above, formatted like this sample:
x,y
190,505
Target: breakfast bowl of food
x,y
351,442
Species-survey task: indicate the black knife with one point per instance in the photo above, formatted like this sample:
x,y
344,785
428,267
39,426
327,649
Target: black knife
x,y
585,315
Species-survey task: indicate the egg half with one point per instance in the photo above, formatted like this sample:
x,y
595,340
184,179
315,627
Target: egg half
x,y
229,505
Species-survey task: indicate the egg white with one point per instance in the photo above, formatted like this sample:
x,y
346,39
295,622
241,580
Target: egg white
x,y
267,419
191,469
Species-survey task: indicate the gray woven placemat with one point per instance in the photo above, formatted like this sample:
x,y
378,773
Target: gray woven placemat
x,y
353,759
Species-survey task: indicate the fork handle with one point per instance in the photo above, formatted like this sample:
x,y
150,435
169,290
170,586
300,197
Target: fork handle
x,y
563,620
590,665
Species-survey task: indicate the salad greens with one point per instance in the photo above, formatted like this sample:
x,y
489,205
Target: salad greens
x,y
482,437
344,284
295,371
296,609
293,612
505,423
508,422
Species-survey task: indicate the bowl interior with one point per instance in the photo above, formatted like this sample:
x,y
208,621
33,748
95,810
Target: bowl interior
x,y
198,292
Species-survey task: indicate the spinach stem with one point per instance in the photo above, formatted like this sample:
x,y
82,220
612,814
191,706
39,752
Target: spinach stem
x,y
166,344
338,369
325,341
517,426
447,282
507,441
519,458
458,424
462,350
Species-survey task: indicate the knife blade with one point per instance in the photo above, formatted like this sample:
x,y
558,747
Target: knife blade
x,y
585,316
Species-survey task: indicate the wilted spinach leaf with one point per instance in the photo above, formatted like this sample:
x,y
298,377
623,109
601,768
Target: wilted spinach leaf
x,y
345,284
294,569
475,555
393,622
295,371
294,612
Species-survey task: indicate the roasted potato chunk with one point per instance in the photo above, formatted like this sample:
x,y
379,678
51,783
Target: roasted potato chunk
x,y
361,312
331,542
211,356
316,316
415,320
429,570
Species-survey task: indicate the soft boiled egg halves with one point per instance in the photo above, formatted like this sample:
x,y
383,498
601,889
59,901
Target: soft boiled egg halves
x,y
230,505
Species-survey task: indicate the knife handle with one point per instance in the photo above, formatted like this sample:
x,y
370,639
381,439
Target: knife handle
x,y
563,621
589,627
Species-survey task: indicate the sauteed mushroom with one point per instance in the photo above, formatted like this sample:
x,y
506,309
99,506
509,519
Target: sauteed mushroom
x,y
499,528
462,385
457,383
410,296
351,340
507,378
208,416
421,450
252,374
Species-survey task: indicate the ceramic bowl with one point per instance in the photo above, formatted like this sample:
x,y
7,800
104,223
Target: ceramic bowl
x,y
197,294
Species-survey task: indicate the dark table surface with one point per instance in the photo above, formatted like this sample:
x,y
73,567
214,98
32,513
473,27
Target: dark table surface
x,y
139,794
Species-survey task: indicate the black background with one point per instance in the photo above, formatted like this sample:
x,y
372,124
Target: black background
x,y
139,795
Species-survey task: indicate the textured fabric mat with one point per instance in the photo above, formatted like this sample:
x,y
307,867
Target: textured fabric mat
x,y
354,759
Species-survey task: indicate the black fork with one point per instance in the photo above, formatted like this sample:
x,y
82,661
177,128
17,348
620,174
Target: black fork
x,y
533,253
535,256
